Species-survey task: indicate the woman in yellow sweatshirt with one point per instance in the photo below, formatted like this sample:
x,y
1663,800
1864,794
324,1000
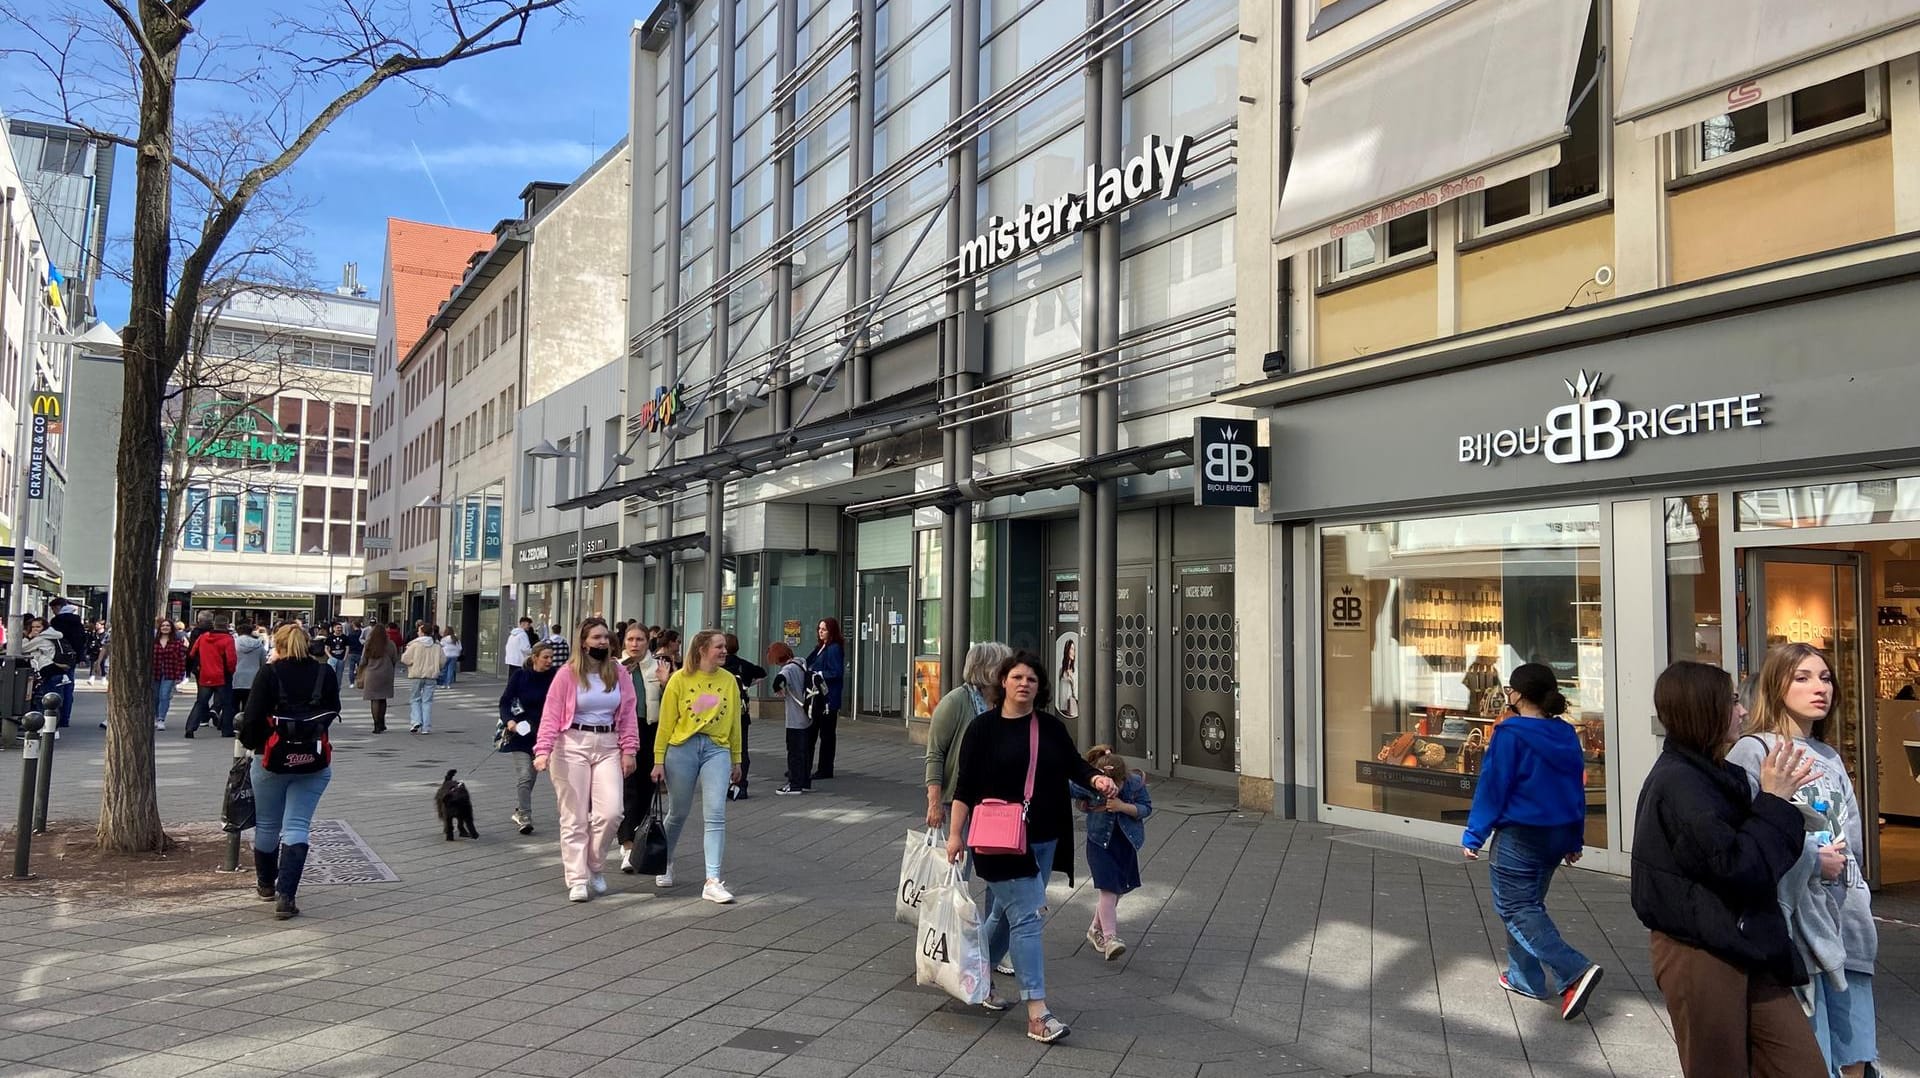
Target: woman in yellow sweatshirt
x,y
699,741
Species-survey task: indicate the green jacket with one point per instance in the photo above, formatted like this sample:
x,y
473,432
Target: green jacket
x,y
950,718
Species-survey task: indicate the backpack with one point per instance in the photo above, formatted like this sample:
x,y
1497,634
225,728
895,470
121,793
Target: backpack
x,y
817,700
300,746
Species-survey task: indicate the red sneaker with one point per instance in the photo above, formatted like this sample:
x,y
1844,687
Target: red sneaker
x,y
1574,999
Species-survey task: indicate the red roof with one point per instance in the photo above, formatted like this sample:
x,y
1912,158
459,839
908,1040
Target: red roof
x,y
426,263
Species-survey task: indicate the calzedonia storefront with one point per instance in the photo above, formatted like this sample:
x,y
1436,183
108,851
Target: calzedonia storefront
x,y
1693,491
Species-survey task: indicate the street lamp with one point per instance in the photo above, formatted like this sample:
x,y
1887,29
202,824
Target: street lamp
x,y
433,502
546,450
333,607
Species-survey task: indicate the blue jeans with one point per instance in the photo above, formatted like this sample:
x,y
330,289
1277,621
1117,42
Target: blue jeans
x,y
447,670
421,717
1843,1021
699,759
1012,923
353,667
1523,862
61,684
283,806
162,697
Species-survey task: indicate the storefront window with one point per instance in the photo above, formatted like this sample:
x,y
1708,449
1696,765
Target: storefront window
x,y
1423,620
1827,505
1693,579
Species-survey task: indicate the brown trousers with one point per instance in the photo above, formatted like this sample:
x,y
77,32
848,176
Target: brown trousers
x,y
1729,1023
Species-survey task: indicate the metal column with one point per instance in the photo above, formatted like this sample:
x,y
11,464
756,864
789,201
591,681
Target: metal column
x,y
966,346
722,330
789,16
1092,268
860,163
669,342
1105,584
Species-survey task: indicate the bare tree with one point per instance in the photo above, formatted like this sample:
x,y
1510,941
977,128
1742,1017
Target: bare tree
x,y
114,68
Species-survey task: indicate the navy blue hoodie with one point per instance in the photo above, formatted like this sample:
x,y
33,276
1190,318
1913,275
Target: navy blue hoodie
x,y
1532,775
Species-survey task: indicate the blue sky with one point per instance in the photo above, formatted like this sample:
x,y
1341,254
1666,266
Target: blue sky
x,y
542,111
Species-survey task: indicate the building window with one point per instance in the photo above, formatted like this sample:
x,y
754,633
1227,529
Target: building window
x,y
1423,623
1400,240
1579,180
529,482
1846,103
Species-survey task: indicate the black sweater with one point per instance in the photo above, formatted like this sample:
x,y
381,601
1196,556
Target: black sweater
x,y
286,687
529,687
993,763
1707,859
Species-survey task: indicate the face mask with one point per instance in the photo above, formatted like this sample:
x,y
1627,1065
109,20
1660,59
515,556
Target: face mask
x,y
598,655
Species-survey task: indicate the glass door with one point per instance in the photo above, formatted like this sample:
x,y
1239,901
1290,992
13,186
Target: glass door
x,y
1815,597
880,663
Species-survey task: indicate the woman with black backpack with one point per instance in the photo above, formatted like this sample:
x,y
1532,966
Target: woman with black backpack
x,y
295,699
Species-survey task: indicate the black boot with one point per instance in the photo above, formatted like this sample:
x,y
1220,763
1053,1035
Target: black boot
x,y
266,870
293,862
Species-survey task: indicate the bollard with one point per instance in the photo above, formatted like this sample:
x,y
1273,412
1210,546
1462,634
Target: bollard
x,y
43,790
30,725
233,837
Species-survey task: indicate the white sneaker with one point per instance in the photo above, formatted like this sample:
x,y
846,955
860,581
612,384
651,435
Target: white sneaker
x,y
626,862
665,879
599,884
578,893
160,725
715,891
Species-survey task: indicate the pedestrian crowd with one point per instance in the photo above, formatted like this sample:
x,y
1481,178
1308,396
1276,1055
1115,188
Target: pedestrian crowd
x,y
1745,866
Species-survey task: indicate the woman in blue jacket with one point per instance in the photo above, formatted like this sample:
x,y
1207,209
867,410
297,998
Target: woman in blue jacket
x,y
829,660
521,704
1532,791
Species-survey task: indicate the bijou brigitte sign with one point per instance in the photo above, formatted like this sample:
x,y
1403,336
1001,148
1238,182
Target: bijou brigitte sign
x,y
1600,428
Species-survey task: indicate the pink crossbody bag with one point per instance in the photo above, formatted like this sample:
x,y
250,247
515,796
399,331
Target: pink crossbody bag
x,y
1000,827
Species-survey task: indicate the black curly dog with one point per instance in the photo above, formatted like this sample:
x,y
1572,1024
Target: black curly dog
x,y
455,806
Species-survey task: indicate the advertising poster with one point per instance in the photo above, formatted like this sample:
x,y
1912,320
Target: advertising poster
x,y
284,519
1066,645
194,535
926,687
470,530
490,546
253,537
790,632
226,523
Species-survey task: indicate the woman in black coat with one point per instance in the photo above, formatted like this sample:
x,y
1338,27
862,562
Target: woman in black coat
x,y
293,702
1707,859
524,698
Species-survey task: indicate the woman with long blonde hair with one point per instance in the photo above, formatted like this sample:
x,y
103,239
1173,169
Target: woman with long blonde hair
x,y
293,703
1793,700
699,741
590,737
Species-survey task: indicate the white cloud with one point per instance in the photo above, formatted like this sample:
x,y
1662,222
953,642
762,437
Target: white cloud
x,y
562,157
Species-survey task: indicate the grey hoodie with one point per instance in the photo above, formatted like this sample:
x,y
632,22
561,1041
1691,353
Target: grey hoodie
x,y
250,651
1831,787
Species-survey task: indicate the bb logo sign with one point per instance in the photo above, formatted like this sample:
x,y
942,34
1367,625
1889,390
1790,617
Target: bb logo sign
x,y
1347,609
1228,457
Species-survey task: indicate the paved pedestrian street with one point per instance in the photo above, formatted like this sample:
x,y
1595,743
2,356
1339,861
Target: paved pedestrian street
x,y
1258,946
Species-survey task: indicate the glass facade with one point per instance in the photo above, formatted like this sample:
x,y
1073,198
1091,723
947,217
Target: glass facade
x,y
1423,620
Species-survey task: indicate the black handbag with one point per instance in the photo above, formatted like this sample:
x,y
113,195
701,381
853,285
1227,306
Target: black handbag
x,y
652,847
236,806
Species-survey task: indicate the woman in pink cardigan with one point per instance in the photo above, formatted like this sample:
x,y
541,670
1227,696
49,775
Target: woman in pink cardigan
x,y
590,737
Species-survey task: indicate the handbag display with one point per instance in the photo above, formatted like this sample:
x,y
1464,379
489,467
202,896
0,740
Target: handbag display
x,y
1000,827
651,848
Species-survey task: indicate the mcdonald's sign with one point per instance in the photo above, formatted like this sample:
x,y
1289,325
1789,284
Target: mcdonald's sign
x,y
51,408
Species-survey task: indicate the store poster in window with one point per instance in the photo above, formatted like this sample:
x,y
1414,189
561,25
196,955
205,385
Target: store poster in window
x,y
1066,645
926,687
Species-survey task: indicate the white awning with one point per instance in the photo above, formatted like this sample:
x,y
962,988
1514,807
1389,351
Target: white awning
x,y
1471,99
1692,60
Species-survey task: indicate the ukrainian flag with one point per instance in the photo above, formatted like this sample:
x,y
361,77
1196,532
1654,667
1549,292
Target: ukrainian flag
x,y
55,283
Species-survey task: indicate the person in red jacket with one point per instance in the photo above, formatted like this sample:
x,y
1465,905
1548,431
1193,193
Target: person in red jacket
x,y
393,634
214,658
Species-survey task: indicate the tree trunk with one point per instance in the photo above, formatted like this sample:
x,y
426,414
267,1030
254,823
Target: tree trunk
x,y
176,512
129,802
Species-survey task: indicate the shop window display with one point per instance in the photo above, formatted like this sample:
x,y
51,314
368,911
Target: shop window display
x,y
1422,621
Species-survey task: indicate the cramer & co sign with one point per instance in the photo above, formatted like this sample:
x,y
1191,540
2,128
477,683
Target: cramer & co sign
x,y
1593,427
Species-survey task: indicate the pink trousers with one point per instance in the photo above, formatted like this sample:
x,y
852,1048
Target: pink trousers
x,y
588,787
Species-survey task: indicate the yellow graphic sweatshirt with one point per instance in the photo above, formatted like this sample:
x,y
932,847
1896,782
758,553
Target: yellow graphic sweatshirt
x,y
681,718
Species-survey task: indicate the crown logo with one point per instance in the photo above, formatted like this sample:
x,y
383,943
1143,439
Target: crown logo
x,y
1584,387
1229,434
1346,589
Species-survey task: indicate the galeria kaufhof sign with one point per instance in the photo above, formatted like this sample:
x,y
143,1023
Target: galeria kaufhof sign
x,y
1155,172
239,432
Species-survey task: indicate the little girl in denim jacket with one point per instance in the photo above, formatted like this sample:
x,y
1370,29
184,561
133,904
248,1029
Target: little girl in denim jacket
x,y
1115,834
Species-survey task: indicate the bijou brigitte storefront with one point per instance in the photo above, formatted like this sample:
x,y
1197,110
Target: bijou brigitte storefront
x,y
1694,492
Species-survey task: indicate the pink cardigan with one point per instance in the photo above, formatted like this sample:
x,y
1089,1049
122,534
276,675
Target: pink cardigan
x,y
564,696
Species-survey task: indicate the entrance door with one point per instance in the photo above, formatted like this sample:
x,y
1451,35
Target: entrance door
x,y
1815,597
1135,733
1206,644
880,661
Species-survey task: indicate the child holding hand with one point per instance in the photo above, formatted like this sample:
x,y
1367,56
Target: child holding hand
x,y
1115,834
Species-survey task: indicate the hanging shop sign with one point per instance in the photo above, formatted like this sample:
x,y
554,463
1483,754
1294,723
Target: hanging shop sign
x,y
1594,427
238,431
1155,172
1228,464
48,408
659,411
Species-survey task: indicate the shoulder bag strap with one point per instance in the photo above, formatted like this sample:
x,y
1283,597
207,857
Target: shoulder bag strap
x,y
1033,756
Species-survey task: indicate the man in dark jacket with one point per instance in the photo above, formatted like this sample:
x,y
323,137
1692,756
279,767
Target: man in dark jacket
x,y
215,658
72,651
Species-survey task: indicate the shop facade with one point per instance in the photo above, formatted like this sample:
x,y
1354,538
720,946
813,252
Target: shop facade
x,y
551,590
1701,488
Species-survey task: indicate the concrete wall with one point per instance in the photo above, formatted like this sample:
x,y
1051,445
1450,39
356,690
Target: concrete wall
x,y
1810,202
577,279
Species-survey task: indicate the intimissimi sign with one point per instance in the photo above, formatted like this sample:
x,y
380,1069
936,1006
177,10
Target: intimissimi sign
x,y
1155,172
